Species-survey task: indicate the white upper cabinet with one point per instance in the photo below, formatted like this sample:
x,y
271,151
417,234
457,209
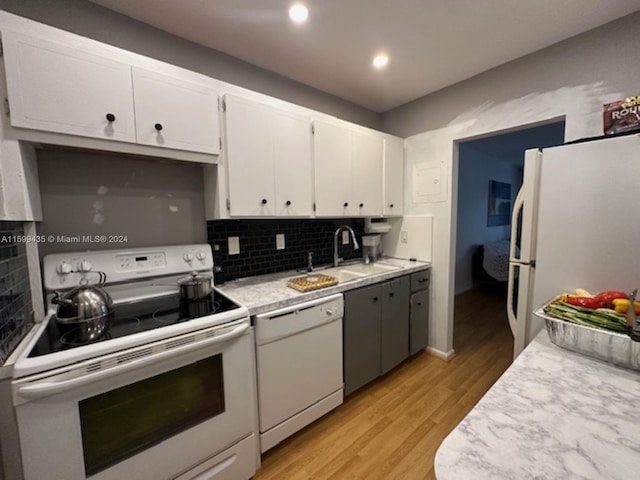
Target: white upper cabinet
x,y
393,176
348,171
366,174
174,113
332,170
292,162
268,159
59,89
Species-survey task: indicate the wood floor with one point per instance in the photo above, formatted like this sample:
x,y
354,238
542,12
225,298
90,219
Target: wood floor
x,y
392,428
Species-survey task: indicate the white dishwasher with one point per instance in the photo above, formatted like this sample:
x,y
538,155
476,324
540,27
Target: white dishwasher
x,y
299,360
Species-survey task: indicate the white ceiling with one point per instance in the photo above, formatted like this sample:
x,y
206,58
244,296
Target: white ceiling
x,y
431,43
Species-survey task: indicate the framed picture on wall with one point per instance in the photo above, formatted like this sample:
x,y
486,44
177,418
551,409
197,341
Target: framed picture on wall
x,y
499,211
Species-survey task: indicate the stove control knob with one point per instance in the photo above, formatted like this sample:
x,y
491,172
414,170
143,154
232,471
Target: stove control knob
x,y
64,268
201,255
85,266
329,312
188,257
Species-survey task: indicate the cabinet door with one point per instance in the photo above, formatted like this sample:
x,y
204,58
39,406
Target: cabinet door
x,y
366,174
419,326
393,173
60,89
361,337
395,322
249,157
174,113
332,170
292,159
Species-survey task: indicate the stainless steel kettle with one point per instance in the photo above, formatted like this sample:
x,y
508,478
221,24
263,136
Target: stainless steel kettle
x,y
87,309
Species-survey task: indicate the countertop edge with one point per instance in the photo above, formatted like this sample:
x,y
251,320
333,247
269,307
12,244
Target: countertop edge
x,y
233,290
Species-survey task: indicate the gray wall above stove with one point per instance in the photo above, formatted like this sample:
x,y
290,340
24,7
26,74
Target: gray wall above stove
x,y
151,202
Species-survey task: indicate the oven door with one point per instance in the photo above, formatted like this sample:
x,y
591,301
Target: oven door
x,y
150,412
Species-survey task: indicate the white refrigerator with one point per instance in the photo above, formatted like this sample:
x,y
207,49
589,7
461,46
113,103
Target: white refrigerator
x,y
579,227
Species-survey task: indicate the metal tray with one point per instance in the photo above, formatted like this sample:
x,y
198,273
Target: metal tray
x,y
610,347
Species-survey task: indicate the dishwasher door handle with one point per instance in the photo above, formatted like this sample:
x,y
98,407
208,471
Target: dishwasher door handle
x,y
290,333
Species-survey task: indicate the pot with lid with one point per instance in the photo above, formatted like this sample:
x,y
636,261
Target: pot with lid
x,y
196,295
85,311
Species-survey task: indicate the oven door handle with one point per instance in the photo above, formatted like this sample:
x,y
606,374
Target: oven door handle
x,y
47,388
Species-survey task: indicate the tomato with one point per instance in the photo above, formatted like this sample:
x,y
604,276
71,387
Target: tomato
x,y
606,298
584,302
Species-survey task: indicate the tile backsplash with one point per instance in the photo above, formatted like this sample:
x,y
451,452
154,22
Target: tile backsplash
x,y
258,253
16,309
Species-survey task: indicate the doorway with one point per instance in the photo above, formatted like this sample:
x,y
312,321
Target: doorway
x,y
489,176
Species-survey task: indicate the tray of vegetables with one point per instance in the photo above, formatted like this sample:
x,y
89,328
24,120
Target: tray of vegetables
x,y
593,325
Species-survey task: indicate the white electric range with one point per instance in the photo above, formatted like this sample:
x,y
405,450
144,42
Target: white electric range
x,y
158,396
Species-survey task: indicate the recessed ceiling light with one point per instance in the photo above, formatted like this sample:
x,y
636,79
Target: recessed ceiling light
x,y
380,61
298,13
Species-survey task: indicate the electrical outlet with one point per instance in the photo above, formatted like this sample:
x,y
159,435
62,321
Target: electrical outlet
x,y
234,245
279,241
404,237
345,237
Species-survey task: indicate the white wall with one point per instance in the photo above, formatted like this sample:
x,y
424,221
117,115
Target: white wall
x,y
475,171
571,79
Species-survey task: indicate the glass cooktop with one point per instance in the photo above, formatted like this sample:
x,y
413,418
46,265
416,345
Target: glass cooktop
x,y
134,317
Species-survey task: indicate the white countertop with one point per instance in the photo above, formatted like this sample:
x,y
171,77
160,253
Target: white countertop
x,y
553,414
264,293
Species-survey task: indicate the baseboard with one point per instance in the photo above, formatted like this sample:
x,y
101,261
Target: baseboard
x,y
440,354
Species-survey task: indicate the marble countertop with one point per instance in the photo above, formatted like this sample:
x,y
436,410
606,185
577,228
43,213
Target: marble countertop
x,y
265,293
553,414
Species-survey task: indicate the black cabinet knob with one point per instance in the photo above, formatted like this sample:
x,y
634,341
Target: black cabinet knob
x,y
419,304
391,205
391,294
288,202
375,299
361,205
158,126
346,204
264,201
110,117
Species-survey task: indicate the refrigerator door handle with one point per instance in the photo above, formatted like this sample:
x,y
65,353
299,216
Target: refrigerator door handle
x,y
517,208
511,315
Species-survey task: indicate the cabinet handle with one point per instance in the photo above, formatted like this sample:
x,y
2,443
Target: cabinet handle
x,y
391,294
158,126
346,204
110,117
361,205
288,203
422,280
375,299
391,205
419,304
264,201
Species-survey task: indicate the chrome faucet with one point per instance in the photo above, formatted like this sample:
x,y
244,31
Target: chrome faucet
x,y
336,258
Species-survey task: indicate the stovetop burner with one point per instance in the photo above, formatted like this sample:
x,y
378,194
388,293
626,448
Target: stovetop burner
x,y
129,318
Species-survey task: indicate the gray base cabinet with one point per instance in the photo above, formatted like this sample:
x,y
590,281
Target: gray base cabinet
x,y
395,324
419,322
376,331
361,337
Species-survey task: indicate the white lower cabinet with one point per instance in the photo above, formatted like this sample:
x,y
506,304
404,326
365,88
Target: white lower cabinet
x,y
268,159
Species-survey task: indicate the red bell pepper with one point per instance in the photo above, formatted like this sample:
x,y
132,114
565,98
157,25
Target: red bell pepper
x,y
606,298
584,302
